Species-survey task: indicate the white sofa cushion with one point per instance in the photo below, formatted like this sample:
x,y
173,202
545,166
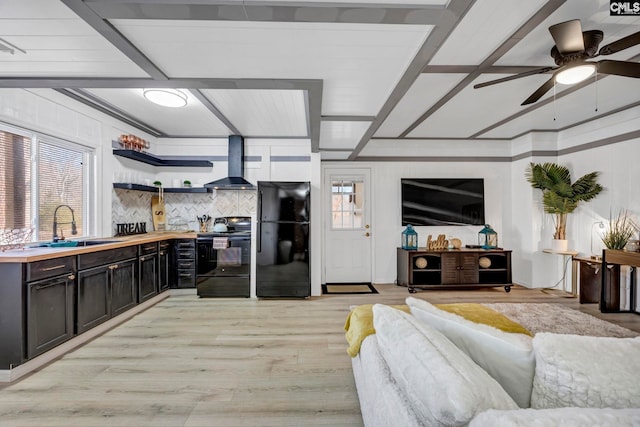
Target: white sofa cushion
x,y
507,357
444,386
560,417
583,371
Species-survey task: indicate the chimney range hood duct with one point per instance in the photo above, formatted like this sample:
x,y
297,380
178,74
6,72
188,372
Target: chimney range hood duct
x,y
234,181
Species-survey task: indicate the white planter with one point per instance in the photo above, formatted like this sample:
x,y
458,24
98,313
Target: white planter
x,y
560,245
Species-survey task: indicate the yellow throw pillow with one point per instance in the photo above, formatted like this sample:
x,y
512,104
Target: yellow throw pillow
x,y
479,313
359,325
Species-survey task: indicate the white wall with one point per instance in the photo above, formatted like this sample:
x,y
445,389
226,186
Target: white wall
x,y
619,176
386,221
512,206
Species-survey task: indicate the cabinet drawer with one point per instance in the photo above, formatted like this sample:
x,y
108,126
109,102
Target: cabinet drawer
x,y
164,245
185,254
186,279
110,256
50,268
186,264
148,248
185,243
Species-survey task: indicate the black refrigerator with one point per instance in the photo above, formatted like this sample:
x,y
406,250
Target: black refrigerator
x,y
282,253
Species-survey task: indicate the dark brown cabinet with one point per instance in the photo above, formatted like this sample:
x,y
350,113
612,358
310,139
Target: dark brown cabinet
x,y
36,308
49,313
459,268
185,263
450,269
147,271
164,265
106,290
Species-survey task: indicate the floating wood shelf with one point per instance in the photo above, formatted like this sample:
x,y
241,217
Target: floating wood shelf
x,y
159,161
140,187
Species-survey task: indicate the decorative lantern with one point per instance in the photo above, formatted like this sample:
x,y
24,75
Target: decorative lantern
x,y
488,238
409,238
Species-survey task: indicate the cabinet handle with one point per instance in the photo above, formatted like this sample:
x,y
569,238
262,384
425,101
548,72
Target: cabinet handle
x,y
141,258
54,267
48,285
113,267
71,276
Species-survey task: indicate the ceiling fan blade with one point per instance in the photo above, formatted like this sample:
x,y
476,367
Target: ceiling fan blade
x,y
515,76
538,93
622,44
568,36
619,68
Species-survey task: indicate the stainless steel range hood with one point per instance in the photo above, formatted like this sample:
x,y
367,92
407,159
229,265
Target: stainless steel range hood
x,y
235,160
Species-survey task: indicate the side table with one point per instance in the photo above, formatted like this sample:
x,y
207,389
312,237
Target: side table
x,y
566,257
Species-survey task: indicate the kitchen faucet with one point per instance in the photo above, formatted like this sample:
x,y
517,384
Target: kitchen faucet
x,y
74,229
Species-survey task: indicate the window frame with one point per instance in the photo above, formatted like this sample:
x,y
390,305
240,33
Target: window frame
x,y
89,164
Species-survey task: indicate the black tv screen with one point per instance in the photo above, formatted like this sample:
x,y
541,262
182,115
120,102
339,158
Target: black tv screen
x,y
442,201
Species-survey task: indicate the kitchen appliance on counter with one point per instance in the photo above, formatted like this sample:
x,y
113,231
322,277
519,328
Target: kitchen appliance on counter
x,y
282,255
224,260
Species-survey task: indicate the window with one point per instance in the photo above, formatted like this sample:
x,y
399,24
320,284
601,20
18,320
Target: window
x,y
41,176
347,198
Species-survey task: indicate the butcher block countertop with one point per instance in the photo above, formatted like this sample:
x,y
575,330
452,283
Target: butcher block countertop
x,y
30,254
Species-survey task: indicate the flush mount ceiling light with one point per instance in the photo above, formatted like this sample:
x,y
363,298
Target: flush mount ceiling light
x,y
575,74
166,97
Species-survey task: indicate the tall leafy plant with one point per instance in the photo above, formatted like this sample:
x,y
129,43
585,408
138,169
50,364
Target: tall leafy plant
x,y
559,196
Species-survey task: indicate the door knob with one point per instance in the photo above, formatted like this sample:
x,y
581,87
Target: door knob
x,y
366,234
366,226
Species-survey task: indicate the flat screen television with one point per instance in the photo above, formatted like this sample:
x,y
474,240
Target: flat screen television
x,y
442,201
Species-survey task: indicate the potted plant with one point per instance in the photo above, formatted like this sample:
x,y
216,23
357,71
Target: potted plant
x,y
157,183
559,196
186,183
620,231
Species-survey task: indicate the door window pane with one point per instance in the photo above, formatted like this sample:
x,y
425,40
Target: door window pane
x,y
347,204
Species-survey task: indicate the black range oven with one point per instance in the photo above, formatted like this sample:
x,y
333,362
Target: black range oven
x,y
224,260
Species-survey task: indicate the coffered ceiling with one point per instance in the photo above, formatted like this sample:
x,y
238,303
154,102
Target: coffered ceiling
x,y
339,73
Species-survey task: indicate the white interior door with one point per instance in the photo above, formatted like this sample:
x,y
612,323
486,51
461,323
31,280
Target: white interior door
x,y
347,229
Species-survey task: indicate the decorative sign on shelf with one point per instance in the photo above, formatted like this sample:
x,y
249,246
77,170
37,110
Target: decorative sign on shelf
x,y
131,228
440,243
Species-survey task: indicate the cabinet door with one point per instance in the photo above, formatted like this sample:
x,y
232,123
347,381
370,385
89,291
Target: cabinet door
x,y
147,277
93,299
124,284
163,269
49,313
459,268
450,268
468,272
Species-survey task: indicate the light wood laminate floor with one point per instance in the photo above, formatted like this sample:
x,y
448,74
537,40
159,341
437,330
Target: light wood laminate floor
x,y
223,362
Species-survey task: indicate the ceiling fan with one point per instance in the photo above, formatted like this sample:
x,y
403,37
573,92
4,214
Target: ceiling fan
x,y
572,49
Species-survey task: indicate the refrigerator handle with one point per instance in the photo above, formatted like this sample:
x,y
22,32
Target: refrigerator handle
x,y
259,237
259,228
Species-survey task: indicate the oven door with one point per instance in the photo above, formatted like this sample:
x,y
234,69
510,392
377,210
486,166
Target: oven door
x,y
234,260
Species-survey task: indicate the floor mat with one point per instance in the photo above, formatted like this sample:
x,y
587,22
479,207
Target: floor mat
x,y
348,288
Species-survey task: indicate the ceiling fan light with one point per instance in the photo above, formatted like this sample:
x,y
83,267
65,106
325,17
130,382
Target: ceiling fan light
x,y
173,98
575,74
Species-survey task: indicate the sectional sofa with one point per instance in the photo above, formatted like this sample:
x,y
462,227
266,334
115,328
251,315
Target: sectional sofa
x,y
419,365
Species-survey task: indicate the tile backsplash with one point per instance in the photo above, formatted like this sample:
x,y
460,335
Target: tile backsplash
x,y
135,206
